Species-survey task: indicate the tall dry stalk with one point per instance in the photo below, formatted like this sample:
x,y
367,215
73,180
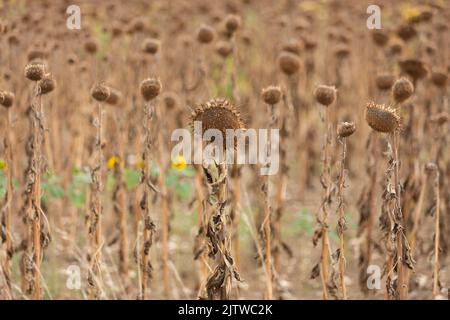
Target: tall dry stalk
x,y
235,212
199,248
398,219
345,130
386,120
368,208
290,64
150,89
218,114
232,24
433,171
38,234
6,100
267,230
271,96
100,93
164,205
119,195
325,95
219,281
281,184
401,91
119,203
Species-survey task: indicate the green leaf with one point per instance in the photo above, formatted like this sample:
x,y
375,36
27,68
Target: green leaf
x,y
132,178
183,190
3,184
110,182
78,188
51,188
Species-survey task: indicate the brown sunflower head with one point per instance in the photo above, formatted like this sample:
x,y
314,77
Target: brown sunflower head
x,y
289,63
384,81
271,95
151,45
396,46
416,69
232,23
6,99
150,88
402,90
35,71
100,92
346,129
170,100
205,34
224,48
439,78
406,32
114,97
217,114
380,38
325,95
47,84
90,46
382,118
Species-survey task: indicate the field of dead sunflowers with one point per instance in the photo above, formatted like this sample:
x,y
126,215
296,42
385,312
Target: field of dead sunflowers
x,y
93,204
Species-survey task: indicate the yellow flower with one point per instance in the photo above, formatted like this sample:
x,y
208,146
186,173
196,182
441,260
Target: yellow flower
x,y
179,163
140,164
2,165
112,162
410,13
310,6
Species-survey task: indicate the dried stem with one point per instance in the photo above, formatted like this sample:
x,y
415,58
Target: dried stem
x,y
165,214
267,222
236,212
219,281
341,219
368,208
267,238
397,217
417,216
148,225
96,208
119,202
7,209
199,250
32,211
436,235
326,200
281,187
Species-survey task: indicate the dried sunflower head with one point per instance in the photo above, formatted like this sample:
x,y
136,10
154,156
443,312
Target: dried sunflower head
x,y
150,88
439,78
34,71
6,99
325,95
416,69
346,129
100,92
402,90
47,84
384,81
271,95
217,114
114,97
382,118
